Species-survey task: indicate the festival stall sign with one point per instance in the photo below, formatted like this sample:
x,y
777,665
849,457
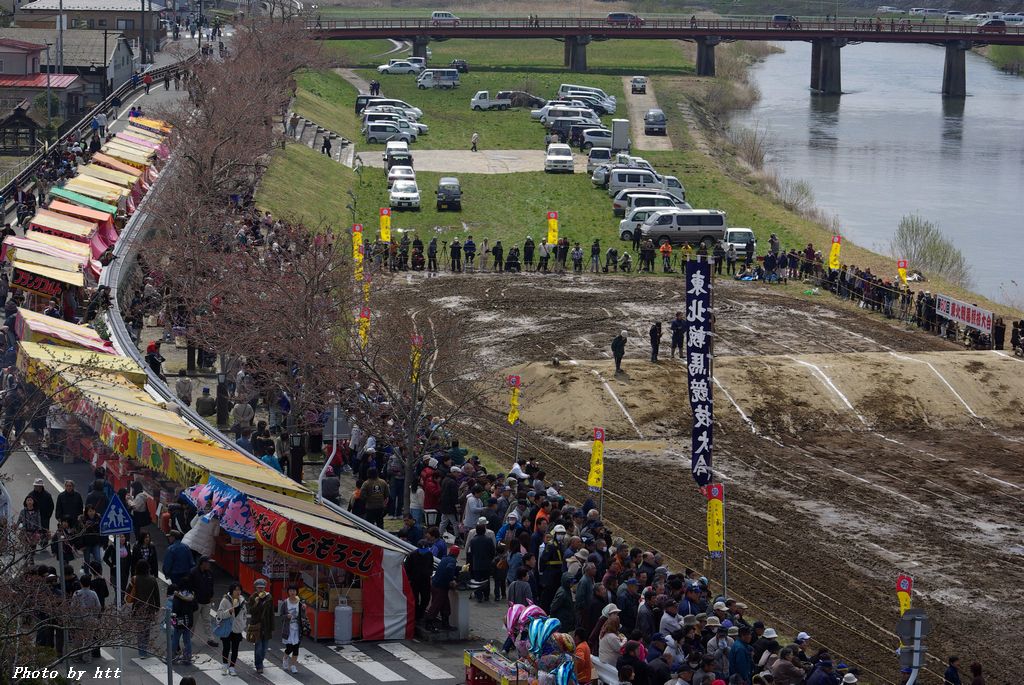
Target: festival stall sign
x,y
43,280
148,124
963,313
103,219
83,200
34,327
230,506
54,358
15,249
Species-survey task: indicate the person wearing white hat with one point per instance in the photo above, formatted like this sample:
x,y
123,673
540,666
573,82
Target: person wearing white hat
x,y
619,349
849,679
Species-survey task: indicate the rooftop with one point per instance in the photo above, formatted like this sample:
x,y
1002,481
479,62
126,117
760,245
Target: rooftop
x,y
88,6
57,81
82,47
20,45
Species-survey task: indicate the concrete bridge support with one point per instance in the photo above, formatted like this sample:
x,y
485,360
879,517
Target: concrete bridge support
x,y
419,46
567,61
706,55
576,52
954,73
826,66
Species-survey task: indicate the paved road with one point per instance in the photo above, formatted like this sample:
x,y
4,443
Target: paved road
x,y
638,106
483,162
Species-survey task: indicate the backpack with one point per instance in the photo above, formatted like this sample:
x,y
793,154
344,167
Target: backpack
x,y
395,466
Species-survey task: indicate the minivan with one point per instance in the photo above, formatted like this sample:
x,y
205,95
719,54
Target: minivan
x,y
376,101
438,78
654,123
383,131
563,112
677,226
395,147
443,19
595,103
632,177
658,201
403,124
566,88
598,155
620,202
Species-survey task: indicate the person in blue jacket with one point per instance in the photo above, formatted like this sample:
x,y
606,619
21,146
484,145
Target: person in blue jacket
x,y
177,560
442,581
741,663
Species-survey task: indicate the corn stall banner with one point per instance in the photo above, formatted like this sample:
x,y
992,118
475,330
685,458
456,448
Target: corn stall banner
x,y
357,250
364,325
552,228
901,269
385,224
833,255
513,399
716,520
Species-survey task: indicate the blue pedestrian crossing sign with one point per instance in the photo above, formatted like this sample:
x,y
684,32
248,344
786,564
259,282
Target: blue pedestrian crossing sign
x,y
116,519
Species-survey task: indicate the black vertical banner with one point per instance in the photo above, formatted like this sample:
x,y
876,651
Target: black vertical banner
x,y
698,367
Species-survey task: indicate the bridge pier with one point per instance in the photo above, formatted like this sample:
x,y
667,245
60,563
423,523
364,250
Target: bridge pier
x,y
567,60
576,52
706,55
826,65
954,72
419,46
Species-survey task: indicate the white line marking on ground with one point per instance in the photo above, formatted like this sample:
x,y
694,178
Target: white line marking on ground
x,y
941,378
156,668
43,469
271,672
415,661
318,666
618,402
1003,354
830,385
365,662
1002,482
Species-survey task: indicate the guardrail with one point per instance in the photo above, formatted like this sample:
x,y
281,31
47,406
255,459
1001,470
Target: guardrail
x,y
859,25
15,179
114,275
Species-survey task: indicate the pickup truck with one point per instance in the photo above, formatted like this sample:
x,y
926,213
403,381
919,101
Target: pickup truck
x,y
482,100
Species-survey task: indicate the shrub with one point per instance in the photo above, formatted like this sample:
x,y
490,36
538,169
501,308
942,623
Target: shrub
x,y
924,246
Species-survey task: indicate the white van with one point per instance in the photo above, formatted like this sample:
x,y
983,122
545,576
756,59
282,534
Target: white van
x,y
632,177
678,226
566,88
444,19
596,156
438,78
659,201
569,112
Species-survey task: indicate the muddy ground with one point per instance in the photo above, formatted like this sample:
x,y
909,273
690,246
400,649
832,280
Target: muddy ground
x,y
852,449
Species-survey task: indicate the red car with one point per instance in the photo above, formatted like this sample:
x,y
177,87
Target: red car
x,y
992,26
626,19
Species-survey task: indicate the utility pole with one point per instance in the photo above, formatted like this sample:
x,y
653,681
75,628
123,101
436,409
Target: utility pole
x,y
142,34
48,107
60,37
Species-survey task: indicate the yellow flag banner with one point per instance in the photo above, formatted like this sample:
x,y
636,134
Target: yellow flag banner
x,y
833,255
417,355
552,228
513,399
716,519
364,325
901,269
595,481
385,224
904,590
357,250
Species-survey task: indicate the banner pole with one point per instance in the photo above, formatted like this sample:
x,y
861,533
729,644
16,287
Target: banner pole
x,y
711,373
725,554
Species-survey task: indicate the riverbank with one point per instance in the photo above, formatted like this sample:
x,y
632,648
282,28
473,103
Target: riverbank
x,y
731,158
1007,58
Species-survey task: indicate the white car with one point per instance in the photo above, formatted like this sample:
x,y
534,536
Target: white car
x,y
558,158
405,195
444,19
399,67
391,109
738,237
401,173
634,221
538,114
401,104
596,137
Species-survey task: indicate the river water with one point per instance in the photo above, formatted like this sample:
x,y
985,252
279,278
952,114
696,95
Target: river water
x,y
890,146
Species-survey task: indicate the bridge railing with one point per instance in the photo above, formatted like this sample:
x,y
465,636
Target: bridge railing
x,y
843,24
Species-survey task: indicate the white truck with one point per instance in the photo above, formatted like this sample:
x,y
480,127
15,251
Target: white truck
x,y
620,134
482,100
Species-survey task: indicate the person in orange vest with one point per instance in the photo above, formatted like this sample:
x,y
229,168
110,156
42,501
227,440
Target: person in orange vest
x,y
666,256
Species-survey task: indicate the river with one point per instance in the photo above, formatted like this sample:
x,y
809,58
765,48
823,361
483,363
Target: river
x,y
891,145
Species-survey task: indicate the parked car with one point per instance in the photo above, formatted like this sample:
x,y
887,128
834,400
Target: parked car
x,y
558,158
785,21
438,78
627,19
577,134
638,85
413,127
405,195
460,65
561,127
542,111
378,101
596,137
449,194
678,226
992,26
655,123
595,103
383,131
389,109
444,19
888,9
620,203
634,222
399,67
598,156
520,98
400,173
421,62
396,153
739,237
482,100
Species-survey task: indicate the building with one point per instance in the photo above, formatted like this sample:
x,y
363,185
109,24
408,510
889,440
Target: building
x,y
124,16
92,55
19,132
23,77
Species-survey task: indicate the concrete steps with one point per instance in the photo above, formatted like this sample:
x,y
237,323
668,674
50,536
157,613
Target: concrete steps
x,y
312,135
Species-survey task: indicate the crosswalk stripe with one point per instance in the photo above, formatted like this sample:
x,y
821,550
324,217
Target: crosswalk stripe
x,y
365,662
107,656
271,672
415,661
156,668
319,667
206,662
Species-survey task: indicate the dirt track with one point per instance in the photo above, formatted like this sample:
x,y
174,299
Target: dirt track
x,y
911,463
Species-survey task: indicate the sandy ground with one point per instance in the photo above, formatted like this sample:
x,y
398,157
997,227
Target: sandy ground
x,y
637,106
852,450
482,162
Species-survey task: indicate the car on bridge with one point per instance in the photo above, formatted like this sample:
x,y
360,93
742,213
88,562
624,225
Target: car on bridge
x,y
992,26
399,67
627,19
444,19
785,21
